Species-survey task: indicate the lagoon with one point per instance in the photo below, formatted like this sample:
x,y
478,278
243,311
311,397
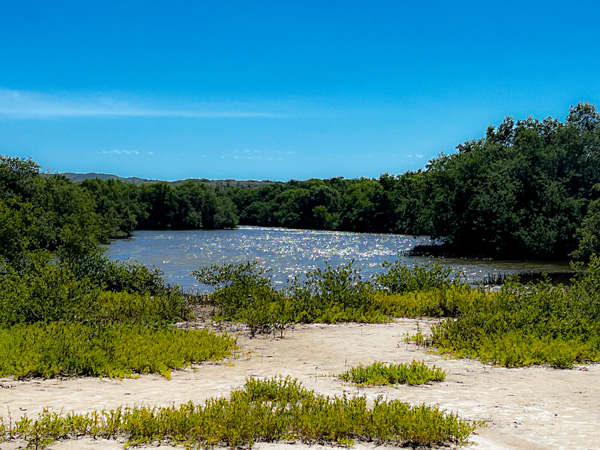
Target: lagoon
x,y
289,252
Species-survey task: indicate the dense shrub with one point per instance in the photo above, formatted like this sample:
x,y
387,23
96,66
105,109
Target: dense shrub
x,y
49,290
400,278
330,294
440,302
523,325
245,293
56,349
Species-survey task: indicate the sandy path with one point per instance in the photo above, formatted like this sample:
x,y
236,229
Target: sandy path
x,y
529,408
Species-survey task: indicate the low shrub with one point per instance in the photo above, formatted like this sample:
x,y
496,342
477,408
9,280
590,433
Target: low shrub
x,y
322,289
523,325
141,308
245,293
379,374
436,302
262,411
49,290
400,278
55,349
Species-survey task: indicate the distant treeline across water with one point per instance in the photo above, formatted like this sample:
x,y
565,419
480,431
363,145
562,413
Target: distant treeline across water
x,y
528,189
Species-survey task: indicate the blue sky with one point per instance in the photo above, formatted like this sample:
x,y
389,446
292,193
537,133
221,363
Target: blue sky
x,y
280,89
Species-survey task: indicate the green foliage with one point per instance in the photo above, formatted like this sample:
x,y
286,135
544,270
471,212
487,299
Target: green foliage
x,y
588,233
49,290
44,212
440,302
328,294
237,283
17,178
524,190
67,310
270,410
119,276
400,278
56,349
244,292
379,374
17,230
526,325
190,205
118,203
331,295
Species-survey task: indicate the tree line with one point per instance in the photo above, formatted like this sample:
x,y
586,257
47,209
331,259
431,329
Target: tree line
x,y
53,213
527,189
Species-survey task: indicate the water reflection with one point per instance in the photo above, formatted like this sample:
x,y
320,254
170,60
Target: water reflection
x,y
289,252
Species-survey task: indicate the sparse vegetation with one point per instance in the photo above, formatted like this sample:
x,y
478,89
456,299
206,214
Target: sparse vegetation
x,y
519,325
271,410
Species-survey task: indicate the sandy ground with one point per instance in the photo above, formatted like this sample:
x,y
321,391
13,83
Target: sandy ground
x,y
527,408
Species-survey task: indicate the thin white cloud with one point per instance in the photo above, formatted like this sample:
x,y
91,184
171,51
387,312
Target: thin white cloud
x,y
252,155
122,152
35,105
418,155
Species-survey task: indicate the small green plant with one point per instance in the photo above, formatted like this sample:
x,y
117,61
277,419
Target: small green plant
x,y
435,302
268,410
341,286
379,374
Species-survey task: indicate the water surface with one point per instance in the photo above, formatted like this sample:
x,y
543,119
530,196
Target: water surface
x,y
289,252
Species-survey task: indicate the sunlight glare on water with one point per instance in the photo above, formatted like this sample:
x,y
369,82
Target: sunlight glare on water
x,y
286,252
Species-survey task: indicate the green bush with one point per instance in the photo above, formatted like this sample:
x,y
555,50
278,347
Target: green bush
x,y
523,325
262,411
332,289
56,349
50,290
438,302
244,293
400,278
45,291
379,374
119,276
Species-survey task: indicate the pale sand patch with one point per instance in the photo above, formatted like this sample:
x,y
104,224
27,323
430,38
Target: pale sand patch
x,y
527,408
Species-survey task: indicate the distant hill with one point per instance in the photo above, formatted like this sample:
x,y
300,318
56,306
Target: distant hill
x,y
78,177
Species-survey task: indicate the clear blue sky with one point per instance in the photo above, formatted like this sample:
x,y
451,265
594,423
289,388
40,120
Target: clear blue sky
x,y
280,89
